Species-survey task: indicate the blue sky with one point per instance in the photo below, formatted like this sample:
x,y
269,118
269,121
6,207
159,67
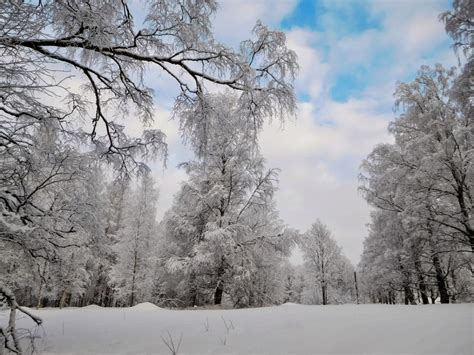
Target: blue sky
x,y
351,55
313,14
351,19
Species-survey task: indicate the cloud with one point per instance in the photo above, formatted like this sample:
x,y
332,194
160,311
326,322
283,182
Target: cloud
x,y
319,155
235,19
333,131
312,78
413,27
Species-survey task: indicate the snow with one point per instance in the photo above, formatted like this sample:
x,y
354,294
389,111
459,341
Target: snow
x,y
145,306
347,329
92,306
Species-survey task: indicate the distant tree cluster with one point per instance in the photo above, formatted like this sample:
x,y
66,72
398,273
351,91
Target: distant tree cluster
x,y
327,275
108,263
421,238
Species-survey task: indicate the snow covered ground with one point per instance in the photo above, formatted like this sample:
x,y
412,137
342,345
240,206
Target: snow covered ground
x,y
287,329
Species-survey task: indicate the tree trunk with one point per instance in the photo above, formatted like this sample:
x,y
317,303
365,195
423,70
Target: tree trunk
x,y
356,287
433,296
421,283
324,293
192,290
194,296
40,294
453,278
135,263
408,293
442,289
251,299
424,294
218,293
108,296
391,297
97,286
323,282
409,297
62,301
220,284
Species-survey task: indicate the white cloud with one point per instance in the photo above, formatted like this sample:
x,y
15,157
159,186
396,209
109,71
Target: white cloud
x,y
235,19
411,27
312,184
312,78
349,129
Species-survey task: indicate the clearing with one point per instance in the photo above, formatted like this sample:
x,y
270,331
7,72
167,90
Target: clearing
x,y
287,329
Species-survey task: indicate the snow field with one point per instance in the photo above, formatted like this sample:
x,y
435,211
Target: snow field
x,y
345,329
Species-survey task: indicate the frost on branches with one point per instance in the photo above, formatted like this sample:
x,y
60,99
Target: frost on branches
x,y
328,273
422,233
223,232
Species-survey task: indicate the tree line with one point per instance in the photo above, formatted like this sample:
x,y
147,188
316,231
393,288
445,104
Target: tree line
x,y
421,235
221,241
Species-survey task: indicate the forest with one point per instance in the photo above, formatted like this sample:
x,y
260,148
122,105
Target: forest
x,y
78,200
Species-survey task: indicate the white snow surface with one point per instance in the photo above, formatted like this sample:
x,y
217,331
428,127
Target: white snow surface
x,y
92,306
146,306
347,329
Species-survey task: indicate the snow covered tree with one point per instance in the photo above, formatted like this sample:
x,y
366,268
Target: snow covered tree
x,y
108,52
438,139
324,263
386,261
225,211
131,275
101,257
423,183
263,254
45,210
425,179
458,24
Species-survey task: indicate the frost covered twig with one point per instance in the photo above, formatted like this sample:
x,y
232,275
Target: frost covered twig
x,y
170,343
8,335
228,324
223,340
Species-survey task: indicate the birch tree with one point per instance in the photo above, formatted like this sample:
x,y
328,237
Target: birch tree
x,y
131,275
323,259
225,208
425,179
107,52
